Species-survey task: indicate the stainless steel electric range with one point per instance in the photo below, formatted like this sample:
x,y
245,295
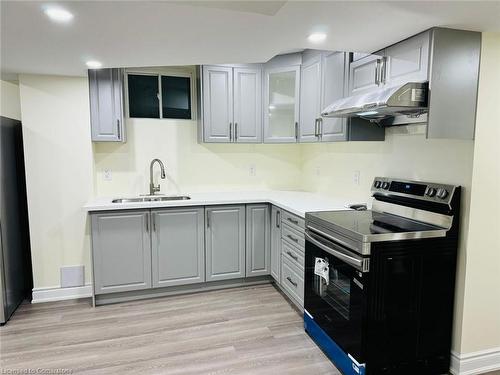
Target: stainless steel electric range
x,y
379,283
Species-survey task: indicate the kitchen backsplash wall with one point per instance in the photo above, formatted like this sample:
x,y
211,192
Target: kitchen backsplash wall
x,y
190,166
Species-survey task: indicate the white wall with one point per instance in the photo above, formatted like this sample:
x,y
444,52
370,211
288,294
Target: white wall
x,y
58,160
9,99
481,313
190,166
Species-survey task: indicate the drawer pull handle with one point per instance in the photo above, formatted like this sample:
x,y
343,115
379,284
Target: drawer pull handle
x,y
291,281
293,256
292,238
296,222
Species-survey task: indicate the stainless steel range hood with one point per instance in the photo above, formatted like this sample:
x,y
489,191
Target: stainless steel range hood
x,y
409,100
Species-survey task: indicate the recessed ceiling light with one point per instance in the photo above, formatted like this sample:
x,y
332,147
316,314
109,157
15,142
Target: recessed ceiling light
x,y
93,64
58,14
316,37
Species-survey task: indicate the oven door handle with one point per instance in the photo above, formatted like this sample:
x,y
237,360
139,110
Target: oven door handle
x,y
356,262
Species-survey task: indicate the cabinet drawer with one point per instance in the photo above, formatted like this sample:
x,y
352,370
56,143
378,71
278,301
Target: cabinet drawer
x,y
292,236
295,222
292,281
293,254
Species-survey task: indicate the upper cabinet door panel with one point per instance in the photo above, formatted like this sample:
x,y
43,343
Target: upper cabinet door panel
x,y
106,104
408,61
248,105
281,104
310,100
364,75
217,103
334,81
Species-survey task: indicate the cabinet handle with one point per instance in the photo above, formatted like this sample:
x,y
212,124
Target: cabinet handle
x,y
292,256
320,127
147,223
230,132
278,219
291,281
296,222
315,127
296,130
292,238
154,222
208,219
118,128
383,71
378,72
235,131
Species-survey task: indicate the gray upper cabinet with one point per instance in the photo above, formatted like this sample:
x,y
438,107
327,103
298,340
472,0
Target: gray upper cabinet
x,y
232,104
276,243
225,242
217,104
310,100
364,75
106,105
281,104
178,250
323,80
121,251
258,241
407,61
335,85
247,105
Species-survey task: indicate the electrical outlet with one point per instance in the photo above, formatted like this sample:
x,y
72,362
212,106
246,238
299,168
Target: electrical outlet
x,y
317,170
108,175
356,177
252,170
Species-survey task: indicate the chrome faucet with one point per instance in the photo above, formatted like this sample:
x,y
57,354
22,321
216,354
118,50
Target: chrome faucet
x,y
152,188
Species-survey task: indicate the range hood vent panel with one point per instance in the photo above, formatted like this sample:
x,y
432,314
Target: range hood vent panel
x,y
409,99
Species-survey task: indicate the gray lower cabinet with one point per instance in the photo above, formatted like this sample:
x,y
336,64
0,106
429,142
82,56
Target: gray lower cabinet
x,y
178,249
121,251
106,105
225,242
276,243
258,240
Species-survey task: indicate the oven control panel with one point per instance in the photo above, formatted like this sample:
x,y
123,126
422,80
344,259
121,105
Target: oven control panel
x,y
428,191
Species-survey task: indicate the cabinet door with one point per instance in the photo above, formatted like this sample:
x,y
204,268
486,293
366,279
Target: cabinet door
x,y
225,242
276,244
334,79
248,105
258,241
281,107
106,105
408,61
217,104
121,251
310,101
178,246
364,75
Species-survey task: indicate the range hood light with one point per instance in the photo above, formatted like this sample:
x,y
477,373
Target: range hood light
x,y
368,113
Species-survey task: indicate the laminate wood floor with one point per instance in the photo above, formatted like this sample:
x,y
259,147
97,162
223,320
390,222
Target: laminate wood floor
x,y
251,330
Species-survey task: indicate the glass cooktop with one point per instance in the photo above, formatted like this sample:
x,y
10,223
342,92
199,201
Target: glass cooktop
x,y
366,225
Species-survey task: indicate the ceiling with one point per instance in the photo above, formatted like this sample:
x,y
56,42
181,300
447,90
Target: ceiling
x,y
156,33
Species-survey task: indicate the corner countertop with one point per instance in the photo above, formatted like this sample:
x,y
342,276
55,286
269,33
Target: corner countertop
x,y
296,202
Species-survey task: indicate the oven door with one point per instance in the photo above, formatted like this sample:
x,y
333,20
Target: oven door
x,y
336,305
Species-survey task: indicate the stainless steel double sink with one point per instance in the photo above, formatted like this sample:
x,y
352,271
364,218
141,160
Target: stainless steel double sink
x,y
152,199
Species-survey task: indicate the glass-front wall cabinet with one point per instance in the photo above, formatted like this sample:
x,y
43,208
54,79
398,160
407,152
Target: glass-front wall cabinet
x,y
281,107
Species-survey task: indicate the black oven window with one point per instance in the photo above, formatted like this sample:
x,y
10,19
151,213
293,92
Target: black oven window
x,y
338,291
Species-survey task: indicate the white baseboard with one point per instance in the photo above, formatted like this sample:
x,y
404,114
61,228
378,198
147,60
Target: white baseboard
x,y
476,362
60,294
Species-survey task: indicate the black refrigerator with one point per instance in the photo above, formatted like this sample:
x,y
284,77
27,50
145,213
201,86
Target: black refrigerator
x,y
16,279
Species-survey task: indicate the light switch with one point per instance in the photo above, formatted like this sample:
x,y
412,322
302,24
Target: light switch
x,y
108,175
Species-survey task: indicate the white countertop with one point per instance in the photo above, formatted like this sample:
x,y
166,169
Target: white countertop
x,y
296,202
